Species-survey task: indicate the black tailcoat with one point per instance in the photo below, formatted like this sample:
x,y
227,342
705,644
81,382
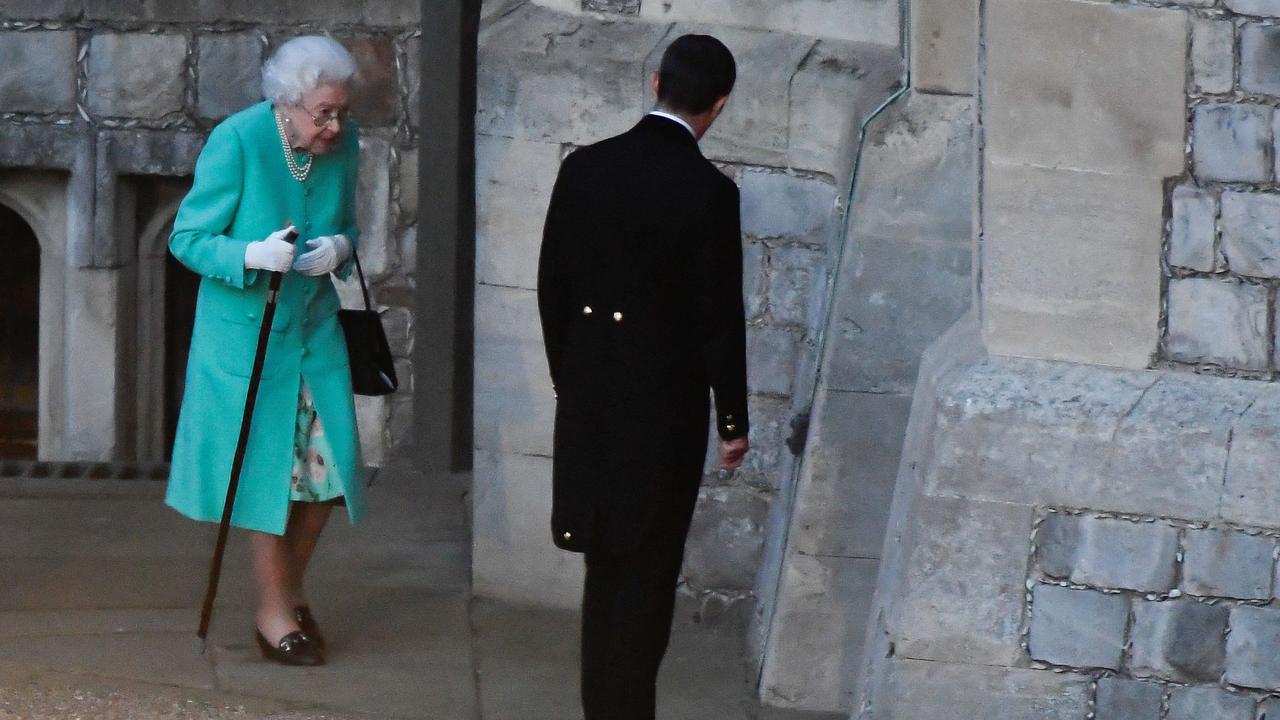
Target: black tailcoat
x,y
640,295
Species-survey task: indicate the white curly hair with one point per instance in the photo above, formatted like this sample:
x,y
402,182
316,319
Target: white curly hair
x,y
303,64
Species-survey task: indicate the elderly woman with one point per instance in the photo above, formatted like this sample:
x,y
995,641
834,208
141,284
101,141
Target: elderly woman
x,y
288,163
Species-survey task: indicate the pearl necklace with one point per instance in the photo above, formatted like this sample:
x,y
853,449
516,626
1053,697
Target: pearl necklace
x,y
299,173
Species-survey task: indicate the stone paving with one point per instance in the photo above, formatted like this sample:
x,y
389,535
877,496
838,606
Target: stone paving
x,y
100,585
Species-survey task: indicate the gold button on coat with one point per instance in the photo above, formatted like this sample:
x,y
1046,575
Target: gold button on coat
x,y
730,428
617,317
568,536
587,310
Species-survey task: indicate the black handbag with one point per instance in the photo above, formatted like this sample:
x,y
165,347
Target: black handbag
x,y
373,372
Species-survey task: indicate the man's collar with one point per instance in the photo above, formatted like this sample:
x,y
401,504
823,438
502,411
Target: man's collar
x,y
676,118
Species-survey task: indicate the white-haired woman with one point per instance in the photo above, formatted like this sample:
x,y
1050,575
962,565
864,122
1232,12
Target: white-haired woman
x,y
287,163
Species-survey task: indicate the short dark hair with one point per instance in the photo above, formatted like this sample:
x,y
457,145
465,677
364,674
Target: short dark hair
x,y
696,71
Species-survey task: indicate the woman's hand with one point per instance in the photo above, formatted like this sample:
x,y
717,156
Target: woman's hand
x,y
274,254
327,253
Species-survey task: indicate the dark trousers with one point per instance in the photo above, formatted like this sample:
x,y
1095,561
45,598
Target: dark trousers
x,y
627,608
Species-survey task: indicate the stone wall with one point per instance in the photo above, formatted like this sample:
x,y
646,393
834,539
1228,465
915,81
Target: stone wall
x,y
557,75
1221,275
118,96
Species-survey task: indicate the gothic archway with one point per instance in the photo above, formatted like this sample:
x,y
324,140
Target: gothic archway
x,y
19,338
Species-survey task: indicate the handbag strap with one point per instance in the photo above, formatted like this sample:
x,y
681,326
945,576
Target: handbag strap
x,y
359,271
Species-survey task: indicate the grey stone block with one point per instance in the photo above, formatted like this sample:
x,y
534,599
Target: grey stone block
x,y
153,152
375,97
772,357
755,279
38,146
137,74
413,78
1227,563
777,205
228,73
1252,660
1269,709
1219,321
1262,8
1079,628
1205,703
1231,142
1178,640
1250,222
944,46
513,188
1120,699
407,184
1259,56
37,71
1194,233
622,7
373,207
768,465
1213,55
726,539
916,690
514,403
873,21
1109,553
398,324
41,9
796,283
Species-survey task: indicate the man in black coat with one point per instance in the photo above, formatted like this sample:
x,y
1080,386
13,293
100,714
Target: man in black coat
x,y
640,295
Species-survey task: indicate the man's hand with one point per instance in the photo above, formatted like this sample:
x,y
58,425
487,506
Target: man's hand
x,y
732,452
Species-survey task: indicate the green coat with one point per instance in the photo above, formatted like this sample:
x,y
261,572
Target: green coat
x,y
243,192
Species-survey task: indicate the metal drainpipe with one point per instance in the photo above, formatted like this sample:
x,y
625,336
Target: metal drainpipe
x,y
803,423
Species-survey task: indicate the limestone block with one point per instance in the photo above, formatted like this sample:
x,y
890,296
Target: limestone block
x,y
917,690
38,71
874,21
1213,54
755,280
1249,495
1227,563
136,74
413,79
1250,222
1120,699
1218,321
154,10
1109,553
1038,433
38,146
1261,8
837,87
552,77
373,207
1251,656
393,13
1259,53
768,465
229,73
371,423
1122,108
1199,703
1194,232
514,179
777,205
375,99
755,124
1230,142
842,505
772,357
1071,264
960,602
1078,628
824,602
408,245
514,403
513,556
398,324
1269,709
944,46
726,539
796,282
1179,640
154,152
622,7
408,185
41,9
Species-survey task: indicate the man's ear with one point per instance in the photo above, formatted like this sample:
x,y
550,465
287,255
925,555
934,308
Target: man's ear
x,y
655,80
718,108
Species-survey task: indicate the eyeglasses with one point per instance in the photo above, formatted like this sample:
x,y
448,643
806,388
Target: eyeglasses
x,y
328,116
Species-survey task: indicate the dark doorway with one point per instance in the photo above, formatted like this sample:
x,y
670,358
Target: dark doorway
x,y
180,286
19,337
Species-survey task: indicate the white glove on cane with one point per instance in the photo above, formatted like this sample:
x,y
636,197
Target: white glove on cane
x,y
327,253
274,253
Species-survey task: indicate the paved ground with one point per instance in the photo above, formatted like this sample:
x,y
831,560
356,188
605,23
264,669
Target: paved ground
x,y
99,592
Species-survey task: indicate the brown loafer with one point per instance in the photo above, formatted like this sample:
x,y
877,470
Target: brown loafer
x,y
294,649
307,622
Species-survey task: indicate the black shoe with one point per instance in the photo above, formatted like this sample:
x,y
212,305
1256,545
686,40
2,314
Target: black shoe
x,y
294,649
307,622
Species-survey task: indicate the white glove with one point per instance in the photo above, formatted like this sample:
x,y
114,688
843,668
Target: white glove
x,y
327,253
274,253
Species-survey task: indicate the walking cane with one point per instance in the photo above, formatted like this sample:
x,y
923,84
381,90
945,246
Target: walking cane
x,y
255,379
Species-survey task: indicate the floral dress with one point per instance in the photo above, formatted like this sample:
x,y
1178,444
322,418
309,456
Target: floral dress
x,y
315,477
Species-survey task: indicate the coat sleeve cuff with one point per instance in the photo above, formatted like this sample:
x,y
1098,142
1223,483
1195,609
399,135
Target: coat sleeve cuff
x,y
230,263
